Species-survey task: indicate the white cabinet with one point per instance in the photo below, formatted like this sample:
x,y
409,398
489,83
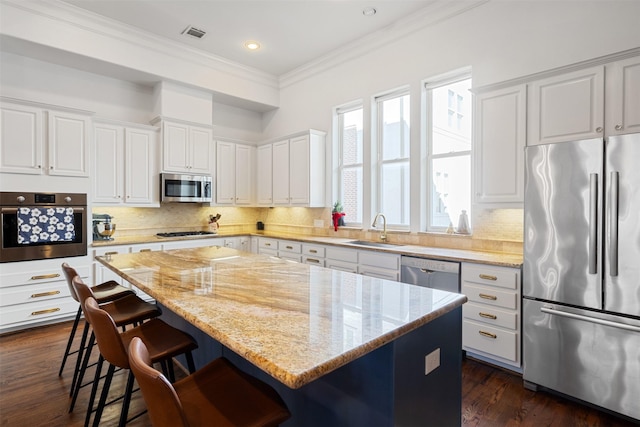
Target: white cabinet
x,y
234,173
622,97
378,264
24,144
492,315
290,250
264,175
298,168
343,259
500,136
567,107
313,254
126,165
186,148
267,246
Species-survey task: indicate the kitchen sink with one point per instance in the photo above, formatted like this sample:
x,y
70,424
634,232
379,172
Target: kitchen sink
x,y
374,244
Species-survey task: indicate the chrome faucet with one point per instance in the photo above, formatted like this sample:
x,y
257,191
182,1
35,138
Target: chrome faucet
x,y
383,235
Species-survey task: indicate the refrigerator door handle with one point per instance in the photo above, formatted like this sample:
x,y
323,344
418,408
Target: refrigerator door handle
x,y
593,223
626,327
613,224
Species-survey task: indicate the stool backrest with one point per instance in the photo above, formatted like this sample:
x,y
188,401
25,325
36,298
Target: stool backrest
x,y
81,290
107,334
70,273
163,404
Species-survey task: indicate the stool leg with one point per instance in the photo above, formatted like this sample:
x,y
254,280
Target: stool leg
x,y
81,349
103,395
124,413
94,389
85,363
190,364
71,336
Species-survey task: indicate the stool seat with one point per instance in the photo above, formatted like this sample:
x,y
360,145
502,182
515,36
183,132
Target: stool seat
x,y
218,394
109,291
130,309
162,340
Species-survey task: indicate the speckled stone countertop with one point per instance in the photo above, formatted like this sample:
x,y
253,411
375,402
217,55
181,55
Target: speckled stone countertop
x,y
296,322
493,258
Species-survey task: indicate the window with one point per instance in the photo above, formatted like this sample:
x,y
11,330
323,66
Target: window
x,y
393,120
350,163
449,145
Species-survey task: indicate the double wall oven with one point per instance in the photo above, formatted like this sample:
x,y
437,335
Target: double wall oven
x,y
38,226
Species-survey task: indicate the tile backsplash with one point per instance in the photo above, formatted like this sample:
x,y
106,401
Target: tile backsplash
x,y
495,230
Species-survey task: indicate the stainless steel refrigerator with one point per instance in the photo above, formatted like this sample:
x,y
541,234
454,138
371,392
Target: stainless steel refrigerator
x,y
581,272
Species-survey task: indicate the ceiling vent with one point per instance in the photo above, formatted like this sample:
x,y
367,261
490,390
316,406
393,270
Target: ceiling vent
x,y
194,32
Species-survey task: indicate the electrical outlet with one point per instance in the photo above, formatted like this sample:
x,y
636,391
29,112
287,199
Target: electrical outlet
x,y
318,223
431,361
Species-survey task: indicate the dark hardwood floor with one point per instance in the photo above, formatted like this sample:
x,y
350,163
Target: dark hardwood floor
x,y
32,394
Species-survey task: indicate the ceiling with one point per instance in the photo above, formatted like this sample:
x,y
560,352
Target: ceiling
x,y
292,33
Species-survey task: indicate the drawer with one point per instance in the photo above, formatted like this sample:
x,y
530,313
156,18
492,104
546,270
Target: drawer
x,y
37,311
268,244
341,265
308,259
494,341
313,251
341,254
111,250
490,315
267,251
34,293
292,247
491,296
145,247
376,259
502,277
380,273
29,277
290,257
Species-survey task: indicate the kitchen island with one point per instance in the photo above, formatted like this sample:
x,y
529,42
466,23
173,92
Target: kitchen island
x,y
341,349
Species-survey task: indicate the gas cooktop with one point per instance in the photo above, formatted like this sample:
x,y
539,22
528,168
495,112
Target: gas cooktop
x,y
185,233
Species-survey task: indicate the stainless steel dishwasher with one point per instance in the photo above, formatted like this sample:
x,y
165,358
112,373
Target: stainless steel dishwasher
x,y
430,273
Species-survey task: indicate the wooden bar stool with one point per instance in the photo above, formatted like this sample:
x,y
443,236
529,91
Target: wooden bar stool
x,y
164,343
128,310
218,395
104,292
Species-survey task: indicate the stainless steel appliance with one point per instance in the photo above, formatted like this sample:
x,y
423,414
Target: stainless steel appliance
x,y
430,273
103,227
52,234
185,188
581,273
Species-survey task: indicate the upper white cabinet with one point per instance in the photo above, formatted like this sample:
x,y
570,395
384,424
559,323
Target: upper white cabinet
x,y
500,135
264,175
567,107
234,173
126,165
298,168
622,98
186,148
26,148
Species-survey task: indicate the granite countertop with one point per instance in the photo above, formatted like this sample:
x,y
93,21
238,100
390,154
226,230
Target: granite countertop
x,y
460,255
296,322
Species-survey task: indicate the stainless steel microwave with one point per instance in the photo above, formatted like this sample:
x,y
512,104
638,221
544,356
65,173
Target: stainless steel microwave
x,y
185,188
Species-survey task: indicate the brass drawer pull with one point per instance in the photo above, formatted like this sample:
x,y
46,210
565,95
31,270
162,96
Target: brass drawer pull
x,y
488,277
45,276
112,253
488,334
145,250
313,251
488,316
267,244
485,296
289,247
51,310
317,261
45,294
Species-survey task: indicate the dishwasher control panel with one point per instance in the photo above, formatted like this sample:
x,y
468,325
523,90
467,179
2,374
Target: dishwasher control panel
x,y
431,264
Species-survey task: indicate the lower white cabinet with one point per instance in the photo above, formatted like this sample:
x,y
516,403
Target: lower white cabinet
x,y
267,246
378,264
492,316
313,254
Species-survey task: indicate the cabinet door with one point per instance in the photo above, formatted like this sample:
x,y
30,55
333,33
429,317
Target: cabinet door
x,y
200,155
299,170
68,144
21,139
264,180
141,176
108,164
244,174
623,97
568,107
225,172
175,150
499,146
281,173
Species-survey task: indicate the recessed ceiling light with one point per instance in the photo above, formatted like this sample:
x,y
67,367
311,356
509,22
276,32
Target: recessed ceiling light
x,y
252,45
369,11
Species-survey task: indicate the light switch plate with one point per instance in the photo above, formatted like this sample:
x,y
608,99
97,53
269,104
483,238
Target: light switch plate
x,y
319,223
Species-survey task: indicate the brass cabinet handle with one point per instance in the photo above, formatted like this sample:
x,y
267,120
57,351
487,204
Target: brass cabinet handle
x,y
289,247
145,250
45,276
317,261
45,294
488,334
488,277
488,316
485,296
51,310
267,244
313,251
112,253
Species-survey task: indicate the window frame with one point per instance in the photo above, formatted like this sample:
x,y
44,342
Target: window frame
x,y
339,158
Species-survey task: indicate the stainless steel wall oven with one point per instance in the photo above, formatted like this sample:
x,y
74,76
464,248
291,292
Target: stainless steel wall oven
x,y
39,226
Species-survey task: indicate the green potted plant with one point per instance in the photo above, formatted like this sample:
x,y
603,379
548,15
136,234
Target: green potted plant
x,y
337,215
